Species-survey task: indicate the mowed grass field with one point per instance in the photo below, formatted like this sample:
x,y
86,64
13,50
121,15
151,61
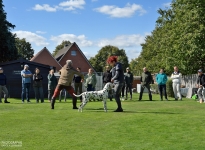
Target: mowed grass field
x,y
144,125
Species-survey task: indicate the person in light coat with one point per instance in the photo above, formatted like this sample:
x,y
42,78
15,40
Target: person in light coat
x,y
176,77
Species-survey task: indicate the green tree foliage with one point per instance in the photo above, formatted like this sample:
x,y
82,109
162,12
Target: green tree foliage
x,y
24,49
8,49
60,46
178,39
99,61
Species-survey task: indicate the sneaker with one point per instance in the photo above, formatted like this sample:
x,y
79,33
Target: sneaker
x,y
22,101
6,102
119,110
122,99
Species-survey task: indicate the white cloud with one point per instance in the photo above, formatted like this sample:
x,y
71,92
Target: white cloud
x,y
40,32
73,4
45,7
66,6
123,41
130,43
80,40
167,4
118,12
32,38
133,53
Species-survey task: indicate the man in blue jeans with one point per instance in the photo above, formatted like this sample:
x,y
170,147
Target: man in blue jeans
x,y
26,83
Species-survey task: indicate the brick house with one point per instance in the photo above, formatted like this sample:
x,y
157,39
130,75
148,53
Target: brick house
x,y
45,57
73,52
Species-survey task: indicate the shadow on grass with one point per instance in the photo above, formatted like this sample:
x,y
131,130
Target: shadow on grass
x,y
149,112
95,109
127,111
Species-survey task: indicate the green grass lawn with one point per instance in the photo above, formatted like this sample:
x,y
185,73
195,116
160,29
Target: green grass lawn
x,y
144,125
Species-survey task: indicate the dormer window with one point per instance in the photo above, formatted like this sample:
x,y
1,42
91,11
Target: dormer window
x,y
73,53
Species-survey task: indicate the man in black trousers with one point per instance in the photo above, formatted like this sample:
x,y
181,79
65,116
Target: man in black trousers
x,y
146,80
117,79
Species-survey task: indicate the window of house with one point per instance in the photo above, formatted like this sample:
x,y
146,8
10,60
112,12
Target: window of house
x,y
73,53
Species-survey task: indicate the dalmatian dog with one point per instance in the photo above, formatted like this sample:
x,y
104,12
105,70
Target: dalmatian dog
x,y
96,95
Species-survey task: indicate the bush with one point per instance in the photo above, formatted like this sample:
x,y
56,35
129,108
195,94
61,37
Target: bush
x,y
154,88
170,91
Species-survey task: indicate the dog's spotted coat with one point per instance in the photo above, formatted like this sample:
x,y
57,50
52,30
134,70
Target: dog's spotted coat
x,y
95,95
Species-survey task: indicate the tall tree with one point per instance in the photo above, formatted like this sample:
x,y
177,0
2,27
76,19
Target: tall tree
x,y
99,61
8,49
24,49
60,46
177,38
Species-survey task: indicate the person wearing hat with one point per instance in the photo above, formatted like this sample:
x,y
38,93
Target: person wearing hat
x,y
67,73
3,86
176,83
26,83
201,85
128,82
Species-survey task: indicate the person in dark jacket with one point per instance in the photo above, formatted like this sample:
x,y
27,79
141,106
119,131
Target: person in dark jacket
x,y
107,75
201,85
161,80
3,88
37,85
128,82
117,79
52,83
146,80
77,83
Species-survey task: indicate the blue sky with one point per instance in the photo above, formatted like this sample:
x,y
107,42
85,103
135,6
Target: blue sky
x,y
92,24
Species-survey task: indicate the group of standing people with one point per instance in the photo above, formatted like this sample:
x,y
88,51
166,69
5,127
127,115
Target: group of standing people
x,y
161,79
53,84
115,75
